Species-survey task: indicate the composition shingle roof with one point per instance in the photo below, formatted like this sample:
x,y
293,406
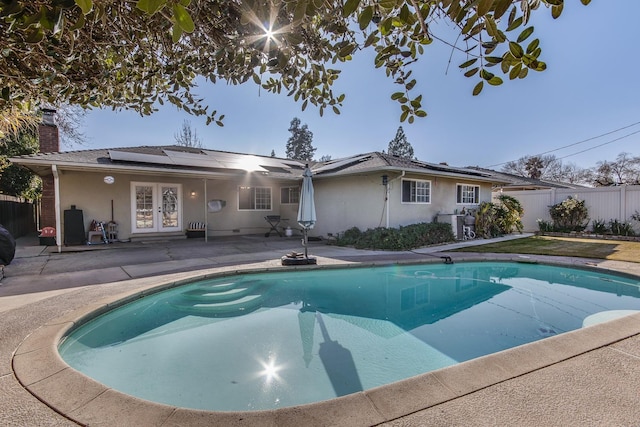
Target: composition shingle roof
x,y
177,159
516,181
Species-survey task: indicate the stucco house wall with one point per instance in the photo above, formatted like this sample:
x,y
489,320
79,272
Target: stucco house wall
x,y
359,201
231,220
88,192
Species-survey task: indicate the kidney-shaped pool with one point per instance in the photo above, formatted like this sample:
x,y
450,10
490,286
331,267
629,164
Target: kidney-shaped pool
x,y
277,339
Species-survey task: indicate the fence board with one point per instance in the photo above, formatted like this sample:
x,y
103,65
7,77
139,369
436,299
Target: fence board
x,y
603,203
17,217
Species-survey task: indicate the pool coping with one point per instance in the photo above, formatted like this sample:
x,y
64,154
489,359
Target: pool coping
x,y
39,369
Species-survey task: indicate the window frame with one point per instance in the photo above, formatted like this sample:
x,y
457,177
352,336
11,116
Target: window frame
x,y
291,190
253,200
415,182
460,194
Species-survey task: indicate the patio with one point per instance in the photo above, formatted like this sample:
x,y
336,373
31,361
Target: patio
x,y
583,377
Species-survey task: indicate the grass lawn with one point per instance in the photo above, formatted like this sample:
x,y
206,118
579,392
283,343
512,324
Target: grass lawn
x,y
564,246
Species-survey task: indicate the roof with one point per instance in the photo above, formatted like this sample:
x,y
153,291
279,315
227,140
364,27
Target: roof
x,y
378,162
199,162
517,182
164,159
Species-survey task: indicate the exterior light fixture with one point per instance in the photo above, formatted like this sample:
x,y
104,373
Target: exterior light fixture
x,y
109,179
385,179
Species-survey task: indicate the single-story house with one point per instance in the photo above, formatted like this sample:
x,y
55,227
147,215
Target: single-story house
x,y
161,191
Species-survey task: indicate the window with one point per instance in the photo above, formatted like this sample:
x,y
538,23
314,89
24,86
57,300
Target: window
x,y
468,194
254,198
289,195
416,191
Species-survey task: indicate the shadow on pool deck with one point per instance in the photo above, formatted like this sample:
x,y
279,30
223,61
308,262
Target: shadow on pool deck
x,y
585,378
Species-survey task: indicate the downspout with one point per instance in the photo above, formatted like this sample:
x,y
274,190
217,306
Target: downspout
x,y
56,191
206,222
387,195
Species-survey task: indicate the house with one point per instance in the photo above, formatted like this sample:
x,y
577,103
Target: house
x,y
159,191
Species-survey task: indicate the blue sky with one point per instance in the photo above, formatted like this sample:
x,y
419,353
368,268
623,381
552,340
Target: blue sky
x,y
591,87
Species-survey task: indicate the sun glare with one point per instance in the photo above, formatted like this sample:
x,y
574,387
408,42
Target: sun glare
x,y
266,35
269,34
270,370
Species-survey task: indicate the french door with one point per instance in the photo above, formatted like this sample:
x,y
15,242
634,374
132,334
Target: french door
x,y
156,207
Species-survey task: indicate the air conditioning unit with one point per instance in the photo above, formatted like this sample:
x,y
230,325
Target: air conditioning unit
x,y
456,221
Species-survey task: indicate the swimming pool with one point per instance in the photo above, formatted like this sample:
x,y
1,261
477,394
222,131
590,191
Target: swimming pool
x,y
263,341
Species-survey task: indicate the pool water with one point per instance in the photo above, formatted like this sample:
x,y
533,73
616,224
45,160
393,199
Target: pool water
x,y
277,339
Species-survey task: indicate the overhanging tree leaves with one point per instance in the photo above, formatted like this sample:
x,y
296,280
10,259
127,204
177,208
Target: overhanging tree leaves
x,y
16,180
134,54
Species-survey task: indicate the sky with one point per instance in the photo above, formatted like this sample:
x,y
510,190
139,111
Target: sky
x,y
591,87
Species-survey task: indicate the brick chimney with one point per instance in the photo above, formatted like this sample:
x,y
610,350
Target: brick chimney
x,y
49,143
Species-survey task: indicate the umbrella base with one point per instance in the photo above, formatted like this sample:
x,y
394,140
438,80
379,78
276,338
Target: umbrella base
x,y
297,259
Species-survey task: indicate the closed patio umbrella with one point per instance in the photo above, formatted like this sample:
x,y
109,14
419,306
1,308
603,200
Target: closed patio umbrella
x,y
306,208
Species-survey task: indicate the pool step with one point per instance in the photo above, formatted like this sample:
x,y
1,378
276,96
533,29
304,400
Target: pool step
x,y
224,299
237,306
222,293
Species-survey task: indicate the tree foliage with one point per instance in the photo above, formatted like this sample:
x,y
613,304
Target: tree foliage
x,y
536,167
16,180
137,54
299,144
625,169
549,168
400,146
187,137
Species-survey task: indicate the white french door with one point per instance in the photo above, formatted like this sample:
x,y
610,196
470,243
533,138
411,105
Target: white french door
x,y
156,207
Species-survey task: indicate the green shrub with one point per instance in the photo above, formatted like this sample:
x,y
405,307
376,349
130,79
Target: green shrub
x,y
621,228
349,237
599,226
397,239
486,224
545,226
497,219
509,214
569,215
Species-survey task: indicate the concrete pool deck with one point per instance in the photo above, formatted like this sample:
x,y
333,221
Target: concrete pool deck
x,y
585,377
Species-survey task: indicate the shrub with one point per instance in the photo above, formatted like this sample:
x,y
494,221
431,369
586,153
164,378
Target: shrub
x,y
486,225
509,214
569,215
621,228
498,219
544,226
599,226
397,239
349,237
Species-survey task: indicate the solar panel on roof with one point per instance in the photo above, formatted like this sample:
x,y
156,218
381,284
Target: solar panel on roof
x,y
340,163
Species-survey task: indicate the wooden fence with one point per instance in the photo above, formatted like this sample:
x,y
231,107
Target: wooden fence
x,y
18,217
603,203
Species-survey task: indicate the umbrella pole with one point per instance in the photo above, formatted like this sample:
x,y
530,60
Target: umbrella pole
x,y
305,243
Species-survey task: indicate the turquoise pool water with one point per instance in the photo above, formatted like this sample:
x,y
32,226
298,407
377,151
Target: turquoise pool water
x,y
278,339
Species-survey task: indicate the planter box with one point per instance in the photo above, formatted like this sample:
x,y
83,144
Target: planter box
x,y
192,234
47,241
